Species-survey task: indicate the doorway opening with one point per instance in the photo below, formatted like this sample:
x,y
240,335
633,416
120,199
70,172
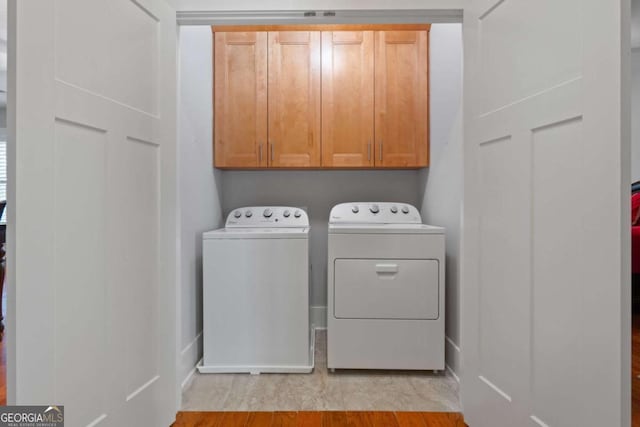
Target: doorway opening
x,y
214,193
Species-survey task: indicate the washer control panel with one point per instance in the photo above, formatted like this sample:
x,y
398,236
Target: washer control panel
x,y
267,216
374,213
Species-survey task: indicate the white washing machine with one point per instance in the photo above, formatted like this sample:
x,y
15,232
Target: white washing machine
x,y
385,288
256,293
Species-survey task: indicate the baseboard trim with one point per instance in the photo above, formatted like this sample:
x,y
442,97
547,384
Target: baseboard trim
x,y
191,344
453,373
187,381
452,344
189,357
452,356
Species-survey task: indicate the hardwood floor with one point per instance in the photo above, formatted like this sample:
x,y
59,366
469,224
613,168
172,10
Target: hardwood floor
x,y
319,419
3,355
635,372
3,373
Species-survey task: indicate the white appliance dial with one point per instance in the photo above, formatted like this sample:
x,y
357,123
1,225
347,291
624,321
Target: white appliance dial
x,y
355,209
267,213
394,209
248,214
374,209
297,214
405,210
286,213
237,214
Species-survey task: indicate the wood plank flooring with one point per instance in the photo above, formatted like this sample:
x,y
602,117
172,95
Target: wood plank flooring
x,y
635,372
319,419
3,372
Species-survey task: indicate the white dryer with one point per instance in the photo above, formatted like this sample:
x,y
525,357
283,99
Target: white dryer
x,y
385,288
256,293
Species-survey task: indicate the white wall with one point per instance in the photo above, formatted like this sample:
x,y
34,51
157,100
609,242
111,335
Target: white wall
x,y
200,207
441,184
318,191
635,114
635,23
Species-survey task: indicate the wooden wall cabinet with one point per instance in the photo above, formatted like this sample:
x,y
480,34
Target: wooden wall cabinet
x,y
330,97
240,99
402,99
267,99
347,99
294,99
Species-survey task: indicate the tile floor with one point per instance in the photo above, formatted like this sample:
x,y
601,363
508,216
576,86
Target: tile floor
x,y
321,390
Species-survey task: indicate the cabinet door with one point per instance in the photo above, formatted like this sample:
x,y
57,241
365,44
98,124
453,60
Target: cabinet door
x,y
240,93
347,98
402,99
294,99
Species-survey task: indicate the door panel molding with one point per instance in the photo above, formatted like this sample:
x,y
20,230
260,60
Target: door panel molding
x,y
93,204
495,388
541,141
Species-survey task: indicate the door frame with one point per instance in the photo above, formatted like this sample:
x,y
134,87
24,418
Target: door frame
x,y
192,13
199,12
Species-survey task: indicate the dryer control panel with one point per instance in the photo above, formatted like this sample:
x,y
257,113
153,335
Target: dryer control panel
x,y
267,216
374,213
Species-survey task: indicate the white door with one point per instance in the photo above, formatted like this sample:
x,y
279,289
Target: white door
x,y
93,200
546,217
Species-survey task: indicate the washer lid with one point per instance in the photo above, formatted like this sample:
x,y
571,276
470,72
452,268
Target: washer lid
x,y
257,233
384,229
374,213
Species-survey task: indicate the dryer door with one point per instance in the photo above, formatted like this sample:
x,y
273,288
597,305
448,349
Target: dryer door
x,y
386,289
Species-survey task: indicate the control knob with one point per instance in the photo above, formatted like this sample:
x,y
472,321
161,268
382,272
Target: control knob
x,y
286,213
374,209
405,210
267,213
355,209
297,214
237,214
394,209
248,214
